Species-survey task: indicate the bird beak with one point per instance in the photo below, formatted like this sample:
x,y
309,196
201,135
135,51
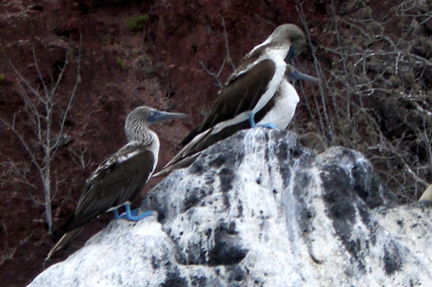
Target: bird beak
x,y
292,52
296,75
158,116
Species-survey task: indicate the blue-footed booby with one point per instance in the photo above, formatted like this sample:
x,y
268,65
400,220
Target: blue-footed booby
x,y
251,86
121,177
278,113
249,95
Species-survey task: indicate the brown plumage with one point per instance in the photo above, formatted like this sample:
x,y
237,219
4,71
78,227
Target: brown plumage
x,y
249,82
248,94
121,177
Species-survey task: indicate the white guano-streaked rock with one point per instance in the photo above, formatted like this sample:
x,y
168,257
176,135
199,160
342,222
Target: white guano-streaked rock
x,y
258,209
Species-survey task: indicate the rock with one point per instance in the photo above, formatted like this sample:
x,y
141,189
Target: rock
x,y
258,209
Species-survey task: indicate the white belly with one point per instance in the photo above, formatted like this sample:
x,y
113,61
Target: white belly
x,y
283,111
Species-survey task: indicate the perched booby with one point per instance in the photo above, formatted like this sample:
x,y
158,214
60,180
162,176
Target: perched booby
x,y
251,86
121,177
278,113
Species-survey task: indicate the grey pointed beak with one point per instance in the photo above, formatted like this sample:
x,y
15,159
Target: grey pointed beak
x,y
158,116
296,75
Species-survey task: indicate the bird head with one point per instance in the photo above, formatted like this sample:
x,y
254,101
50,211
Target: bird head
x,y
288,35
148,116
142,117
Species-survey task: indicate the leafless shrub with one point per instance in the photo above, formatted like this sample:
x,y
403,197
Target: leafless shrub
x,y
15,172
227,60
374,95
49,135
79,159
415,9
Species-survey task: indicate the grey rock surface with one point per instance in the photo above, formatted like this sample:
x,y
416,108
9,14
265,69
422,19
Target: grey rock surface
x,y
258,209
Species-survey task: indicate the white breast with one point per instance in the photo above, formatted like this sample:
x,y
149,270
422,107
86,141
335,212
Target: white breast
x,y
154,147
285,106
278,56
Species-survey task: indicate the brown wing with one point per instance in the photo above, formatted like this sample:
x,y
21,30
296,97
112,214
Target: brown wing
x,y
240,95
112,186
226,132
192,150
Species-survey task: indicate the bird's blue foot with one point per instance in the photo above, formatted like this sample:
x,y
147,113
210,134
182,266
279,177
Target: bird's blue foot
x,y
252,123
131,215
270,126
124,214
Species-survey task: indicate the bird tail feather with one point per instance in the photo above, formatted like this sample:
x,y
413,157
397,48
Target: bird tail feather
x,y
62,242
180,164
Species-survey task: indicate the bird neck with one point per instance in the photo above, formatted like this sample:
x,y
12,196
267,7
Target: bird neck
x,y
266,46
276,53
263,52
143,136
153,146
139,132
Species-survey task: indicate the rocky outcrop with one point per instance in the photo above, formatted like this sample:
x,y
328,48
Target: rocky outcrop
x,y
258,209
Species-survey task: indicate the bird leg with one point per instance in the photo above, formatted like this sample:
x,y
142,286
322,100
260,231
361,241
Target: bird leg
x,y
270,126
251,120
252,123
116,215
131,215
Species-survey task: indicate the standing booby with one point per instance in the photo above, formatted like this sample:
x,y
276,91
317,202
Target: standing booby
x,y
250,91
119,179
255,81
278,113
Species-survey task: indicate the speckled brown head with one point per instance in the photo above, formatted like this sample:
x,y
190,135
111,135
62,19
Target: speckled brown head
x,y
138,121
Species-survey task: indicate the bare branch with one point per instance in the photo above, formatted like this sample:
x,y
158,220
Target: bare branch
x,y
72,96
376,94
219,83
44,123
23,142
319,73
13,173
79,160
228,57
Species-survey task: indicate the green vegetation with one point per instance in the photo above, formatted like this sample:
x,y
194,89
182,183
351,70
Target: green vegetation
x,y
136,24
120,62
